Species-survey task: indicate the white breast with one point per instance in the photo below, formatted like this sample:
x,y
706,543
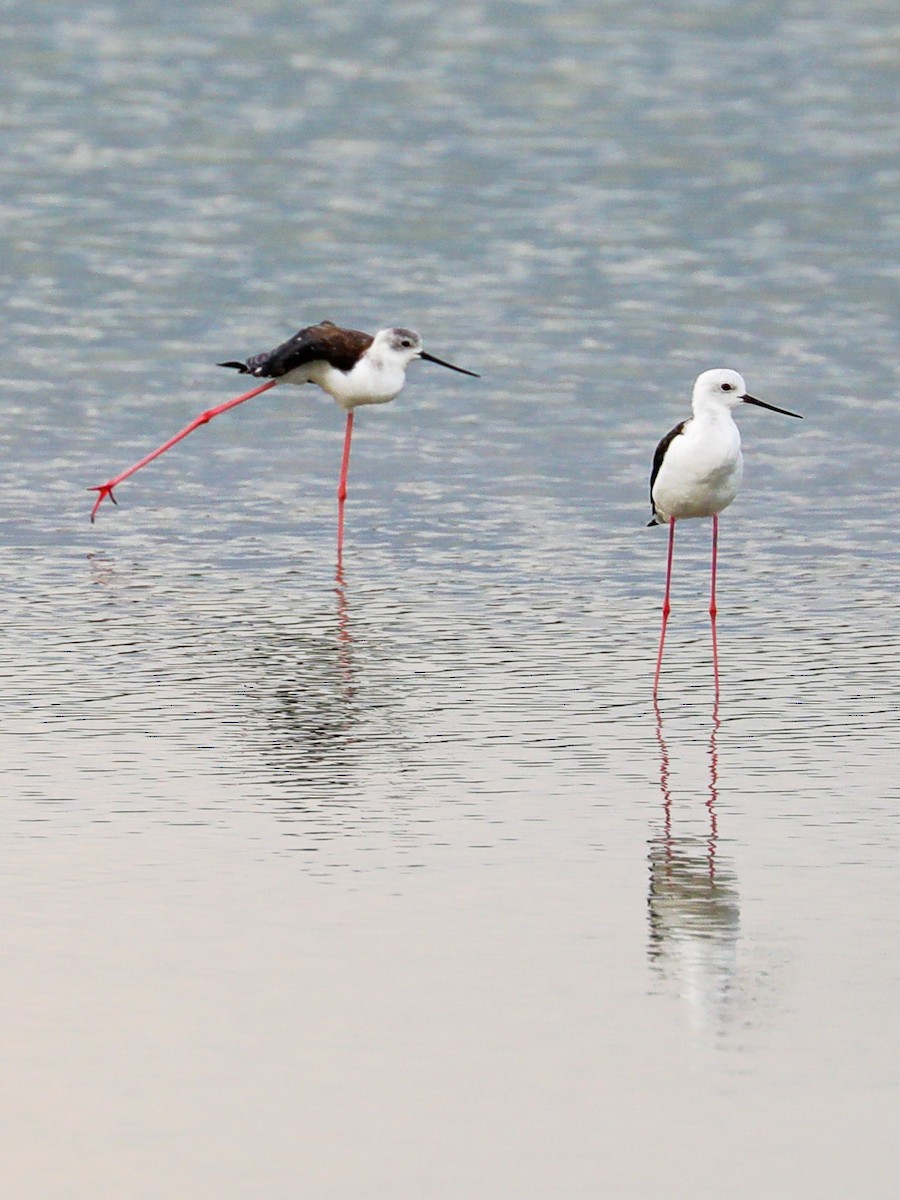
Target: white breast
x,y
370,381
701,473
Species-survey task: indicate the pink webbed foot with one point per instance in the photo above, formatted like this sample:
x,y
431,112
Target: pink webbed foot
x,y
103,490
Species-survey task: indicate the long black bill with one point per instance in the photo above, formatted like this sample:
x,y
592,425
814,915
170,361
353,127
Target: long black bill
x,y
771,407
440,362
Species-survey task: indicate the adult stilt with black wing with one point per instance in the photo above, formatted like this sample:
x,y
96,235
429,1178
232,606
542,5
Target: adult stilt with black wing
x,y
697,471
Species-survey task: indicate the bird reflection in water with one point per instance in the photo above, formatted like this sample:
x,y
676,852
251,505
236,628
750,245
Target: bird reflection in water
x,y
312,684
694,908
310,736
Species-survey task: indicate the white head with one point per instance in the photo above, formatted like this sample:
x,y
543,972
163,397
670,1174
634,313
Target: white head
x,y
398,346
721,388
725,389
401,346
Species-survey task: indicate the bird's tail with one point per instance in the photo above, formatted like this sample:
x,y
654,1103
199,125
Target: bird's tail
x,y
238,366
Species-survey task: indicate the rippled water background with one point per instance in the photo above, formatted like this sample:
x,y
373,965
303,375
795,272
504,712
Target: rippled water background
x,y
394,883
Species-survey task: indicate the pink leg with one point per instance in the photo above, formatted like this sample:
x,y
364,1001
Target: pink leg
x,y
106,489
666,609
712,603
342,484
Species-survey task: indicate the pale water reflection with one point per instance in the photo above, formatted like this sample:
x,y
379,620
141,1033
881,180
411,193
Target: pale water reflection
x,y
694,902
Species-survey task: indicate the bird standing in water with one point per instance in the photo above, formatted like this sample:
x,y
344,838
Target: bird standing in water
x,y
351,366
697,471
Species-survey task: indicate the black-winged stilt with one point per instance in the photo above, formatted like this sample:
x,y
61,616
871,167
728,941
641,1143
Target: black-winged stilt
x,y
697,470
353,367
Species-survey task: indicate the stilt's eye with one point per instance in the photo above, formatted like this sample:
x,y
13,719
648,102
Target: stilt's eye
x,y
727,387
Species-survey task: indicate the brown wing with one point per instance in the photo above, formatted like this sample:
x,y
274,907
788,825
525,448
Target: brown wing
x,y
323,342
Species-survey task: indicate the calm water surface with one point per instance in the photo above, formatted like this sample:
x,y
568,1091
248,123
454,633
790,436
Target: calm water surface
x,y
392,881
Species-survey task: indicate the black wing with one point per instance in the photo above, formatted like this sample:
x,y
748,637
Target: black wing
x,y
323,342
658,460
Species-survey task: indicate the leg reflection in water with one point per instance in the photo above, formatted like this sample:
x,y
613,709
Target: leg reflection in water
x,y
344,634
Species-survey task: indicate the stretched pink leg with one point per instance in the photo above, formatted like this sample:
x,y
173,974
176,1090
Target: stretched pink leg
x,y
106,489
712,603
666,608
342,484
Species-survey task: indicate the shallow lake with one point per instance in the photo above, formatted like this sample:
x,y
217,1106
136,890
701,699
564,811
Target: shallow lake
x,y
391,880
